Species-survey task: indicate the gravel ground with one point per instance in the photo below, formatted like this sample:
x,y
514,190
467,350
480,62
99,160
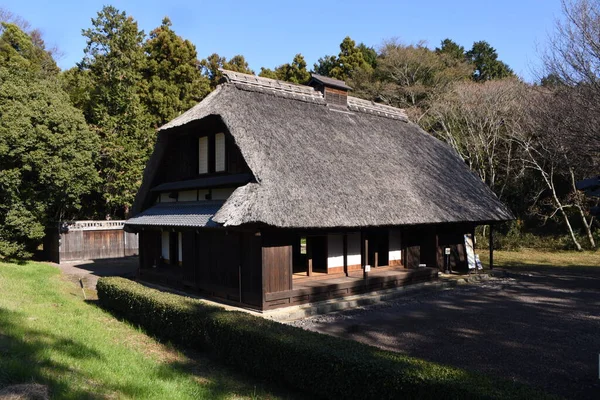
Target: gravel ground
x,y
540,328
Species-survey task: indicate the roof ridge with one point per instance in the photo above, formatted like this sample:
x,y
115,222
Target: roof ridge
x,y
368,106
271,85
307,93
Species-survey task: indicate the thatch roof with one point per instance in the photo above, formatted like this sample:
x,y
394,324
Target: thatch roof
x,y
318,167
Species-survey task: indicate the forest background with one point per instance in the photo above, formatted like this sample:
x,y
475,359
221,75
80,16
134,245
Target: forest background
x,y
74,143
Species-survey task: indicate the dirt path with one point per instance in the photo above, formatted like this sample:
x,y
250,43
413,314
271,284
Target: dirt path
x,y
90,270
542,329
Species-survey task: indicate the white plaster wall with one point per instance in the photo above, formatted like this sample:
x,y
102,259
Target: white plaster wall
x,y
164,198
202,194
395,245
354,249
335,251
222,194
187,195
165,245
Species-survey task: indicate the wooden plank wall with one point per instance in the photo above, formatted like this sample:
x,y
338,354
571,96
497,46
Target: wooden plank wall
x,y
100,244
214,262
277,255
453,237
150,250
251,270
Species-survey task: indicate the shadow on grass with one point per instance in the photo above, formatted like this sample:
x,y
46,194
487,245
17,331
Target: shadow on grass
x,y
219,380
24,358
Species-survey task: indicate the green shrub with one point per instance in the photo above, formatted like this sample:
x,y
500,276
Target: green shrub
x,y
322,365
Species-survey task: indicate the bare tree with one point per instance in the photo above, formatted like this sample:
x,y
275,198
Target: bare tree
x,y
570,112
478,120
12,18
410,76
572,63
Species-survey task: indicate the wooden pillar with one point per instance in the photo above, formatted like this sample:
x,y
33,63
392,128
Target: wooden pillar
x,y
491,246
309,259
375,246
345,251
364,253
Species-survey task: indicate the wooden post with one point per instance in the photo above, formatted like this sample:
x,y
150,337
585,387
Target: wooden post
x,y
364,258
345,251
309,260
491,246
375,259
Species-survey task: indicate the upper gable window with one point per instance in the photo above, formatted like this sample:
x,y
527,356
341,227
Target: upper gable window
x,y
219,152
203,155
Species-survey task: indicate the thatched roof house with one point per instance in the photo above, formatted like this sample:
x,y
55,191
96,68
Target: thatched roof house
x,y
285,160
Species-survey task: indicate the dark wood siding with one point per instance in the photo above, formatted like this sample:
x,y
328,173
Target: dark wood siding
x,y
277,262
411,248
251,270
453,237
150,247
429,247
189,256
211,262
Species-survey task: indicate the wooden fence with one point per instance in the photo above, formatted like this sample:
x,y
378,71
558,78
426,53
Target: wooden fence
x,y
89,240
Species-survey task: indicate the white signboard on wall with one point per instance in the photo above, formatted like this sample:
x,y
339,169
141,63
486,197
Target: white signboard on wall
x,y
470,251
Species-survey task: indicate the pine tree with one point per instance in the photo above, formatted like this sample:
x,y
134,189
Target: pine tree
x,y
173,82
212,64
115,60
487,66
294,72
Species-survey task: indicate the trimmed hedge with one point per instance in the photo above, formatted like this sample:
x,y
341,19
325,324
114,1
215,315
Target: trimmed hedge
x,y
325,366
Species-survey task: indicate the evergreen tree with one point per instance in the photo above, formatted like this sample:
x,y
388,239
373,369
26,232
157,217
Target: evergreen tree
x,y
295,72
324,65
487,66
211,64
115,60
351,59
451,49
369,54
46,148
19,47
173,82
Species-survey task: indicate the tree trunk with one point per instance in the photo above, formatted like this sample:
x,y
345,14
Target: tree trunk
x,y
564,214
588,228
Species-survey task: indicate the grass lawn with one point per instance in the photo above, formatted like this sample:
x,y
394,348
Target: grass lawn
x,y
532,259
49,335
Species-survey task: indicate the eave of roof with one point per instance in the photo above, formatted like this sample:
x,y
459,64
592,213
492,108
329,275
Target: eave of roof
x,y
203,183
196,214
327,81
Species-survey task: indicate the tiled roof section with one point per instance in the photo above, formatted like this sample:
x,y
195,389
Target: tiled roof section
x,y
366,106
273,86
327,81
190,214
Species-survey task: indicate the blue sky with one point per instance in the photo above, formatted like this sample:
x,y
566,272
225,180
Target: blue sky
x,y
270,33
